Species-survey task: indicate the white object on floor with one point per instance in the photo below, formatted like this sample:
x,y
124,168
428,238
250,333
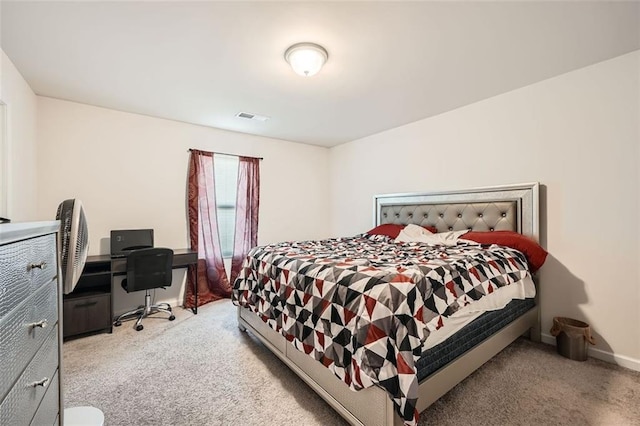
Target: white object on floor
x,y
83,416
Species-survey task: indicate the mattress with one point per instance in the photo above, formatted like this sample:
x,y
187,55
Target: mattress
x,y
485,325
498,299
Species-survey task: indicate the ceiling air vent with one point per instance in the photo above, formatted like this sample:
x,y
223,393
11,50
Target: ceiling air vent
x,y
250,116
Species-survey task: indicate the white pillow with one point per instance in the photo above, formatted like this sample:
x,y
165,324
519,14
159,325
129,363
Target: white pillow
x,y
418,234
411,233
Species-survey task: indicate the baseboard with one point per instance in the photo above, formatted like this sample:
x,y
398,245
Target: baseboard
x,y
174,302
621,360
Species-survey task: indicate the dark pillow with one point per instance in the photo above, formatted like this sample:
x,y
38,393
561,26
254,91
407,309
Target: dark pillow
x,y
535,254
392,230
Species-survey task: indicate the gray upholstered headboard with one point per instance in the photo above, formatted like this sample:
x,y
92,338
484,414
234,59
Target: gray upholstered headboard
x,y
508,207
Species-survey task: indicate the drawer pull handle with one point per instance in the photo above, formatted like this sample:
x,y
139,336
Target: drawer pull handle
x,y
85,305
44,382
40,265
41,324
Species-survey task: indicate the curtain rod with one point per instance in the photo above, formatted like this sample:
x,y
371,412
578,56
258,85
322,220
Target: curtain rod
x,y
224,153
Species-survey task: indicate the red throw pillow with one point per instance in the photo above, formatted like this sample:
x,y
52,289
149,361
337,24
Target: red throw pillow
x,y
392,230
389,229
535,254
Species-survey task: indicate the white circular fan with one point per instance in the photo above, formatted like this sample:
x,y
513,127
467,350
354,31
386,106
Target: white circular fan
x,y
73,255
75,242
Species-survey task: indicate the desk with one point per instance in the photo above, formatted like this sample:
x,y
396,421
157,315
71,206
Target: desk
x,y
88,309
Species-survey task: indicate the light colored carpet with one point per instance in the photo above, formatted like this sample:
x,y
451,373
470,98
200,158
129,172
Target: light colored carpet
x,y
201,370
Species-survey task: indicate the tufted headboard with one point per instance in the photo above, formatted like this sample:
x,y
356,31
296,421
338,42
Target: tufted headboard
x,y
508,207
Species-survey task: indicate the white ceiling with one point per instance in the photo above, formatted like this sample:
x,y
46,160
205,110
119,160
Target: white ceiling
x,y
390,63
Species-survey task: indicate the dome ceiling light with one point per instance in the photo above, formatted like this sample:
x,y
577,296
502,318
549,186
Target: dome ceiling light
x,y
306,59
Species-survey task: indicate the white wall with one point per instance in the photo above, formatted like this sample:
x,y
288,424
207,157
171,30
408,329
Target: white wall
x,y
21,110
578,135
130,171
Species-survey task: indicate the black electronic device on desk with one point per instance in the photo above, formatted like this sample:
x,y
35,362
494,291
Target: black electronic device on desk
x,y
124,241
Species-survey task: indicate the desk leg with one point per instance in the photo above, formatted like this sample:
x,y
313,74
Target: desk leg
x,y
195,295
111,300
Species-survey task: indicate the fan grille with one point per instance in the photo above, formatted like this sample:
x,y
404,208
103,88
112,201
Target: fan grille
x,y
64,214
82,246
75,242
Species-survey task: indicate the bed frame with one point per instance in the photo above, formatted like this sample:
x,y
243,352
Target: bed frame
x,y
510,207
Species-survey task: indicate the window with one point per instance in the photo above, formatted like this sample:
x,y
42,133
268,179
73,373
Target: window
x,y
226,181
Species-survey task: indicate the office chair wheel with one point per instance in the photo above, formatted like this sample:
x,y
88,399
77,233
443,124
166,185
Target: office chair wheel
x,y
117,323
172,317
139,327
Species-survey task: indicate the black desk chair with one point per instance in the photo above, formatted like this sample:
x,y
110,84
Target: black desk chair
x,y
147,269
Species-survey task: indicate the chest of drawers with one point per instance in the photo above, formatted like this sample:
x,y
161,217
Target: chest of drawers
x,y
30,336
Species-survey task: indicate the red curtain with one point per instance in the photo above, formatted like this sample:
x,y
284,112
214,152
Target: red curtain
x,y
209,272
247,202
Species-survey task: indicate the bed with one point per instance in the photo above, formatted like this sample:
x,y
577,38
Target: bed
x,y
413,384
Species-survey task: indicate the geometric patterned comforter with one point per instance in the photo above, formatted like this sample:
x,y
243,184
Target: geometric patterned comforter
x,y
364,305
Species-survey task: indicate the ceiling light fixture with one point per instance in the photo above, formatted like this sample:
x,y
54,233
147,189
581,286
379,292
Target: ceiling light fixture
x,y
306,59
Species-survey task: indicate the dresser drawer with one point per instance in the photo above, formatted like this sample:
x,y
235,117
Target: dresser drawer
x,y
21,403
47,413
20,337
24,267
